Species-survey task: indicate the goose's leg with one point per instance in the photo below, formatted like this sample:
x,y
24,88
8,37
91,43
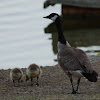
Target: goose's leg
x,y
71,80
73,90
37,81
78,82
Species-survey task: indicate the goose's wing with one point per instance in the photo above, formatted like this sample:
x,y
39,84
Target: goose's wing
x,y
68,60
74,59
83,59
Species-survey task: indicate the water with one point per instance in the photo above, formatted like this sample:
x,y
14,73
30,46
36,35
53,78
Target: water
x,y
85,39
22,37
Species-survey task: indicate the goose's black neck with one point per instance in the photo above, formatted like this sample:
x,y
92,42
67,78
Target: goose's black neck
x,y
61,37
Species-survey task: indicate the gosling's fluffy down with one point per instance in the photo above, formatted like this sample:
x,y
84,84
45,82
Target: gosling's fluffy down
x,y
16,74
33,71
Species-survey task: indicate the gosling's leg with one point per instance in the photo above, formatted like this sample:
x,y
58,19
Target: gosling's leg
x,y
18,81
37,81
31,81
14,83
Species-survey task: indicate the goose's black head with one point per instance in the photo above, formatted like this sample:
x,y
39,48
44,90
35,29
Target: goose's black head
x,y
52,16
56,18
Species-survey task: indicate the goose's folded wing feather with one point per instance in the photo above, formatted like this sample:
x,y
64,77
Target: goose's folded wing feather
x,y
73,59
83,59
68,60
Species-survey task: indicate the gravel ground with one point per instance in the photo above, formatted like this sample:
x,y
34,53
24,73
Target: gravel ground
x,y
54,85
94,58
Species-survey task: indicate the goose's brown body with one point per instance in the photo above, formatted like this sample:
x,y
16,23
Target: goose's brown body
x,y
73,59
76,62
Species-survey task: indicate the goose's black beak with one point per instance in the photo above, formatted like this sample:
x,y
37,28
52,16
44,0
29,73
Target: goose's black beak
x,y
45,17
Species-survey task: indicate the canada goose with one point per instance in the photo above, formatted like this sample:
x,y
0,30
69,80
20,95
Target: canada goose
x,y
16,74
73,61
33,71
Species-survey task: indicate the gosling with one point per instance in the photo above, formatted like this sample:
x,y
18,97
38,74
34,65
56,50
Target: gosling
x,y
33,71
16,74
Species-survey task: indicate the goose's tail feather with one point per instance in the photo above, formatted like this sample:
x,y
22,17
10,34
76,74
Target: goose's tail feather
x,y
92,77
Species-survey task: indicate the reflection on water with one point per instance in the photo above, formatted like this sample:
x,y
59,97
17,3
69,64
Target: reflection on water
x,y
87,39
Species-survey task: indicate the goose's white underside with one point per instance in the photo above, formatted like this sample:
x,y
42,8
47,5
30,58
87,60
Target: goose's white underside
x,y
77,73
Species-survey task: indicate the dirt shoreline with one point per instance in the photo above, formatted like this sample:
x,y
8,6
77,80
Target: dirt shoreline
x,y
54,85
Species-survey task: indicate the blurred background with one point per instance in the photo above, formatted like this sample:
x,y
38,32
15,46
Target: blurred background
x,y
26,38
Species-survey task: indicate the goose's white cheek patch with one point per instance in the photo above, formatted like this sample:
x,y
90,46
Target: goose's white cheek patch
x,y
54,18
